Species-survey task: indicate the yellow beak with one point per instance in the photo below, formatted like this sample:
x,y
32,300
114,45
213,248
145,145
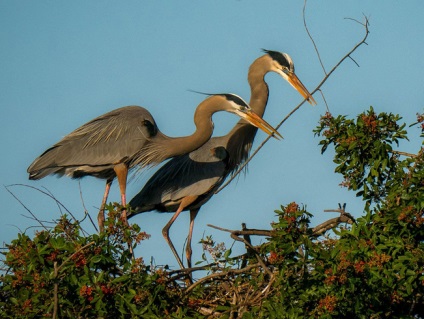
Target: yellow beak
x,y
260,123
298,85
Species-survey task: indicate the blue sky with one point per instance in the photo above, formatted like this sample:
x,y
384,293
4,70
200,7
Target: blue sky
x,y
65,62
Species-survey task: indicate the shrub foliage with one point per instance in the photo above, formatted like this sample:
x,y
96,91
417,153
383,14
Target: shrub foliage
x,y
371,267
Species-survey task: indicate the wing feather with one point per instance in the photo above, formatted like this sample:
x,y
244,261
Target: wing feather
x,y
104,141
193,174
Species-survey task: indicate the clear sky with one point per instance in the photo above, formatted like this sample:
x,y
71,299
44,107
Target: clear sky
x,y
63,63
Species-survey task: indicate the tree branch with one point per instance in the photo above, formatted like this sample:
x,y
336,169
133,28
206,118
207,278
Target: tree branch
x,y
404,154
316,231
344,217
221,274
241,167
331,223
23,205
76,252
312,39
55,291
256,232
43,192
85,209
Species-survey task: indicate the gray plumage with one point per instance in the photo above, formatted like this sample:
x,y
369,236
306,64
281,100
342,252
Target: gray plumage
x,y
95,148
113,143
164,194
200,173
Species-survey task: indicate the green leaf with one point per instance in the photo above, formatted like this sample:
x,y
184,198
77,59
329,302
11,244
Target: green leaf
x,y
227,254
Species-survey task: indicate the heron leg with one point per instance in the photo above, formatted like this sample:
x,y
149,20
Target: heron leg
x,y
193,214
101,215
165,231
121,171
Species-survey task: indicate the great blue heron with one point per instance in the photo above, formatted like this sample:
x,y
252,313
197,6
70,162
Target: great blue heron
x,y
189,181
111,144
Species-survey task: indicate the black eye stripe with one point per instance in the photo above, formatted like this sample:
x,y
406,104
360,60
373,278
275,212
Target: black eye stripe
x,y
281,59
236,99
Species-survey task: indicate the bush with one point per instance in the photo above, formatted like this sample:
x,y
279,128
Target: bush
x,y
372,267
61,273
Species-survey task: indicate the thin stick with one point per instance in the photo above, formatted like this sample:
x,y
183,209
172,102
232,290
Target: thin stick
x,y
55,292
257,232
85,209
247,244
52,196
70,257
221,274
405,154
312,39
23,205
45,193
325,101
330,224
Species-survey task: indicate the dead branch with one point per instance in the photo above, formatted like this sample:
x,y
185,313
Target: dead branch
x,y
55,291
43,192
76,252
182,273
310,37
221,274
244,296
325,101
52,196
330,224
252,249
256,232
85,209
241,296
344,217
23,205
405,154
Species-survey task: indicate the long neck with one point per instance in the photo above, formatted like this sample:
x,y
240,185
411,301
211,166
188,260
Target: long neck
x,y
240,138
258,88
173,146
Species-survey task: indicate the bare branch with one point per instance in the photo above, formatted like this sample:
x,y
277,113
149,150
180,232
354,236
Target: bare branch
x,y
221,274
257,232
354,61
56,274
405,154
55,292
325,101
179,273
241,167
85,209
312,40
76,252
344,217
330,224
365,25
52,196
45,193
23,205
252,249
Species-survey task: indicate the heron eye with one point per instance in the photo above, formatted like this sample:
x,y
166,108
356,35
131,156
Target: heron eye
x,y
151,128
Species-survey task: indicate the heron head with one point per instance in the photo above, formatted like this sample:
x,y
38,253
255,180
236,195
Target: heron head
x,y
239,107
282,64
